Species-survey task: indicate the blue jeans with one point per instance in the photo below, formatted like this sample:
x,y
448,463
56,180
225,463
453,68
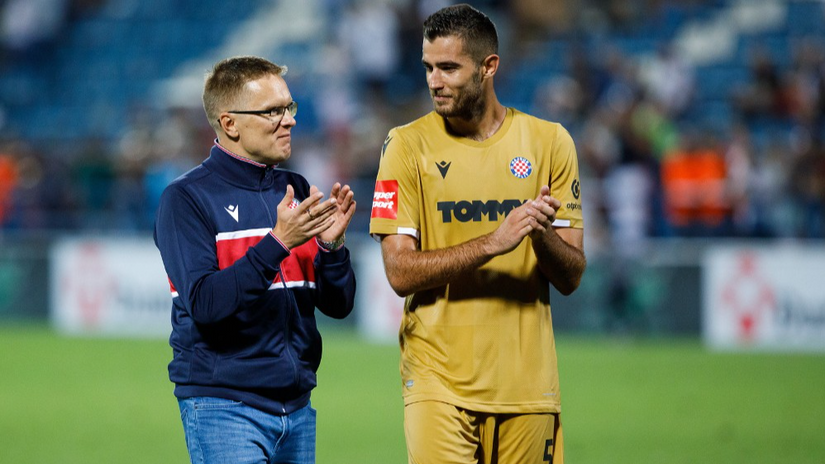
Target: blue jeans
x,y
222,431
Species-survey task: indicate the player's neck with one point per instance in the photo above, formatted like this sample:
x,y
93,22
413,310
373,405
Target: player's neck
x,y
482,127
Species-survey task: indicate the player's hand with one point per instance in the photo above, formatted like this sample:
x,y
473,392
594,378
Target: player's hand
x,y
341,214
517,225
545,209
312,216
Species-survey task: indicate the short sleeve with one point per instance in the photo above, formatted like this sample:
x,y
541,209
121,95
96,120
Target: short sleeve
x,y
564,181
395,201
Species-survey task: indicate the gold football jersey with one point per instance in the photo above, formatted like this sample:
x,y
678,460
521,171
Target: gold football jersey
x,y
485,341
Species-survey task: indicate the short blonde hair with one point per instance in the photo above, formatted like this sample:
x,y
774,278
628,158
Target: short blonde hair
x,y
225,82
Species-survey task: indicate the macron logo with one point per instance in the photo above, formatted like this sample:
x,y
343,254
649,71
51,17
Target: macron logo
x,y
233,211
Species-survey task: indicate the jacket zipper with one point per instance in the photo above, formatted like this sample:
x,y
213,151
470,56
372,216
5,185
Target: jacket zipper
x,y
288,331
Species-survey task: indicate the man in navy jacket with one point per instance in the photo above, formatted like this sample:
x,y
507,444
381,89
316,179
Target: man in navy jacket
x,y
250,251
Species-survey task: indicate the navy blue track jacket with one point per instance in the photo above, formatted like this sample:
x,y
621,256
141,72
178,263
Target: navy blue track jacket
x,y
243,305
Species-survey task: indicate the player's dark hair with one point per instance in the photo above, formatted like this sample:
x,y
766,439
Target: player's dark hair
x,y
225,82
474,28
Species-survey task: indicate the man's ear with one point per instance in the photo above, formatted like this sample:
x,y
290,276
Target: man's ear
x,y
489,66
227,123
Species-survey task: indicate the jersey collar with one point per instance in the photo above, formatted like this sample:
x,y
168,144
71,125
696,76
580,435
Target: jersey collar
x,y
238,170
500,133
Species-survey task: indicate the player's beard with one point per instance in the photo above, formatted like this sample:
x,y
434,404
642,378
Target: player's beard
x,y
467,103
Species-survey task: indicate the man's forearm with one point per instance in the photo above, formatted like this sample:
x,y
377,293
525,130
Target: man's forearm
x,y
561,263
411,271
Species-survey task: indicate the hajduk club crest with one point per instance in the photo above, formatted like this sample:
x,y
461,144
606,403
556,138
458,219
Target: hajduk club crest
x,y
521,167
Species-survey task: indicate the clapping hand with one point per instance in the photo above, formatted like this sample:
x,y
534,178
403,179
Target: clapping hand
x,y
297,224
341,214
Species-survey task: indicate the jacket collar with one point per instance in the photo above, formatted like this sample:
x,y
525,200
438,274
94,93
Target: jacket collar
x,y
238,170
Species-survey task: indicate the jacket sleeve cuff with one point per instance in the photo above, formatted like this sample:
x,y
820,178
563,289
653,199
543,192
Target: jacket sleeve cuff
x,y
272,251
333,257
288,251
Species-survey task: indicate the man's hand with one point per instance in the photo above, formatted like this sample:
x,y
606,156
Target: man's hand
x,y
533,218
341,214
311,217
546,208
518,224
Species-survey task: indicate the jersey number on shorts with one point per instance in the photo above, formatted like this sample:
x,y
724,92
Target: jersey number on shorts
x,y
548,451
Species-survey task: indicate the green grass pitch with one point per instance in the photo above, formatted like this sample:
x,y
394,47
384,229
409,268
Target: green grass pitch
x,y
78,400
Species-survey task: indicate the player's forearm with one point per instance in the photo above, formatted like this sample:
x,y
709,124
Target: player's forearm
x,y
411,271
561,263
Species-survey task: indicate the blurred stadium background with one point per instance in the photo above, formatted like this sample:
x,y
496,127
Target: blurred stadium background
x,y
699,126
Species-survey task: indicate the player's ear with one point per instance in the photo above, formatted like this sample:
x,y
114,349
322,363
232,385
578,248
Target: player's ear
x,y
489,66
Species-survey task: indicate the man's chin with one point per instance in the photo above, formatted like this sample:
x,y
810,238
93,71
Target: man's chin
x,y
444,111
279,158
285,151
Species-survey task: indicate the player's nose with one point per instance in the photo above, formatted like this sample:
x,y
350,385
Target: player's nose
x,y
434,80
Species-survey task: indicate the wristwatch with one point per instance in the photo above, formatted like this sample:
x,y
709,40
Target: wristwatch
x,y
333,245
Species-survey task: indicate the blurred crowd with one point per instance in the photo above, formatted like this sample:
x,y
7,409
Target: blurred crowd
x,y
655,166
658,166
653,162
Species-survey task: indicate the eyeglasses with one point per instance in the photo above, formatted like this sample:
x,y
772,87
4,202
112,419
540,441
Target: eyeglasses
x,y
272,113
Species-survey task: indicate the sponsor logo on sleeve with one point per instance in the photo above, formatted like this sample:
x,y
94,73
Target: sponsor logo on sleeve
x,y
385,200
